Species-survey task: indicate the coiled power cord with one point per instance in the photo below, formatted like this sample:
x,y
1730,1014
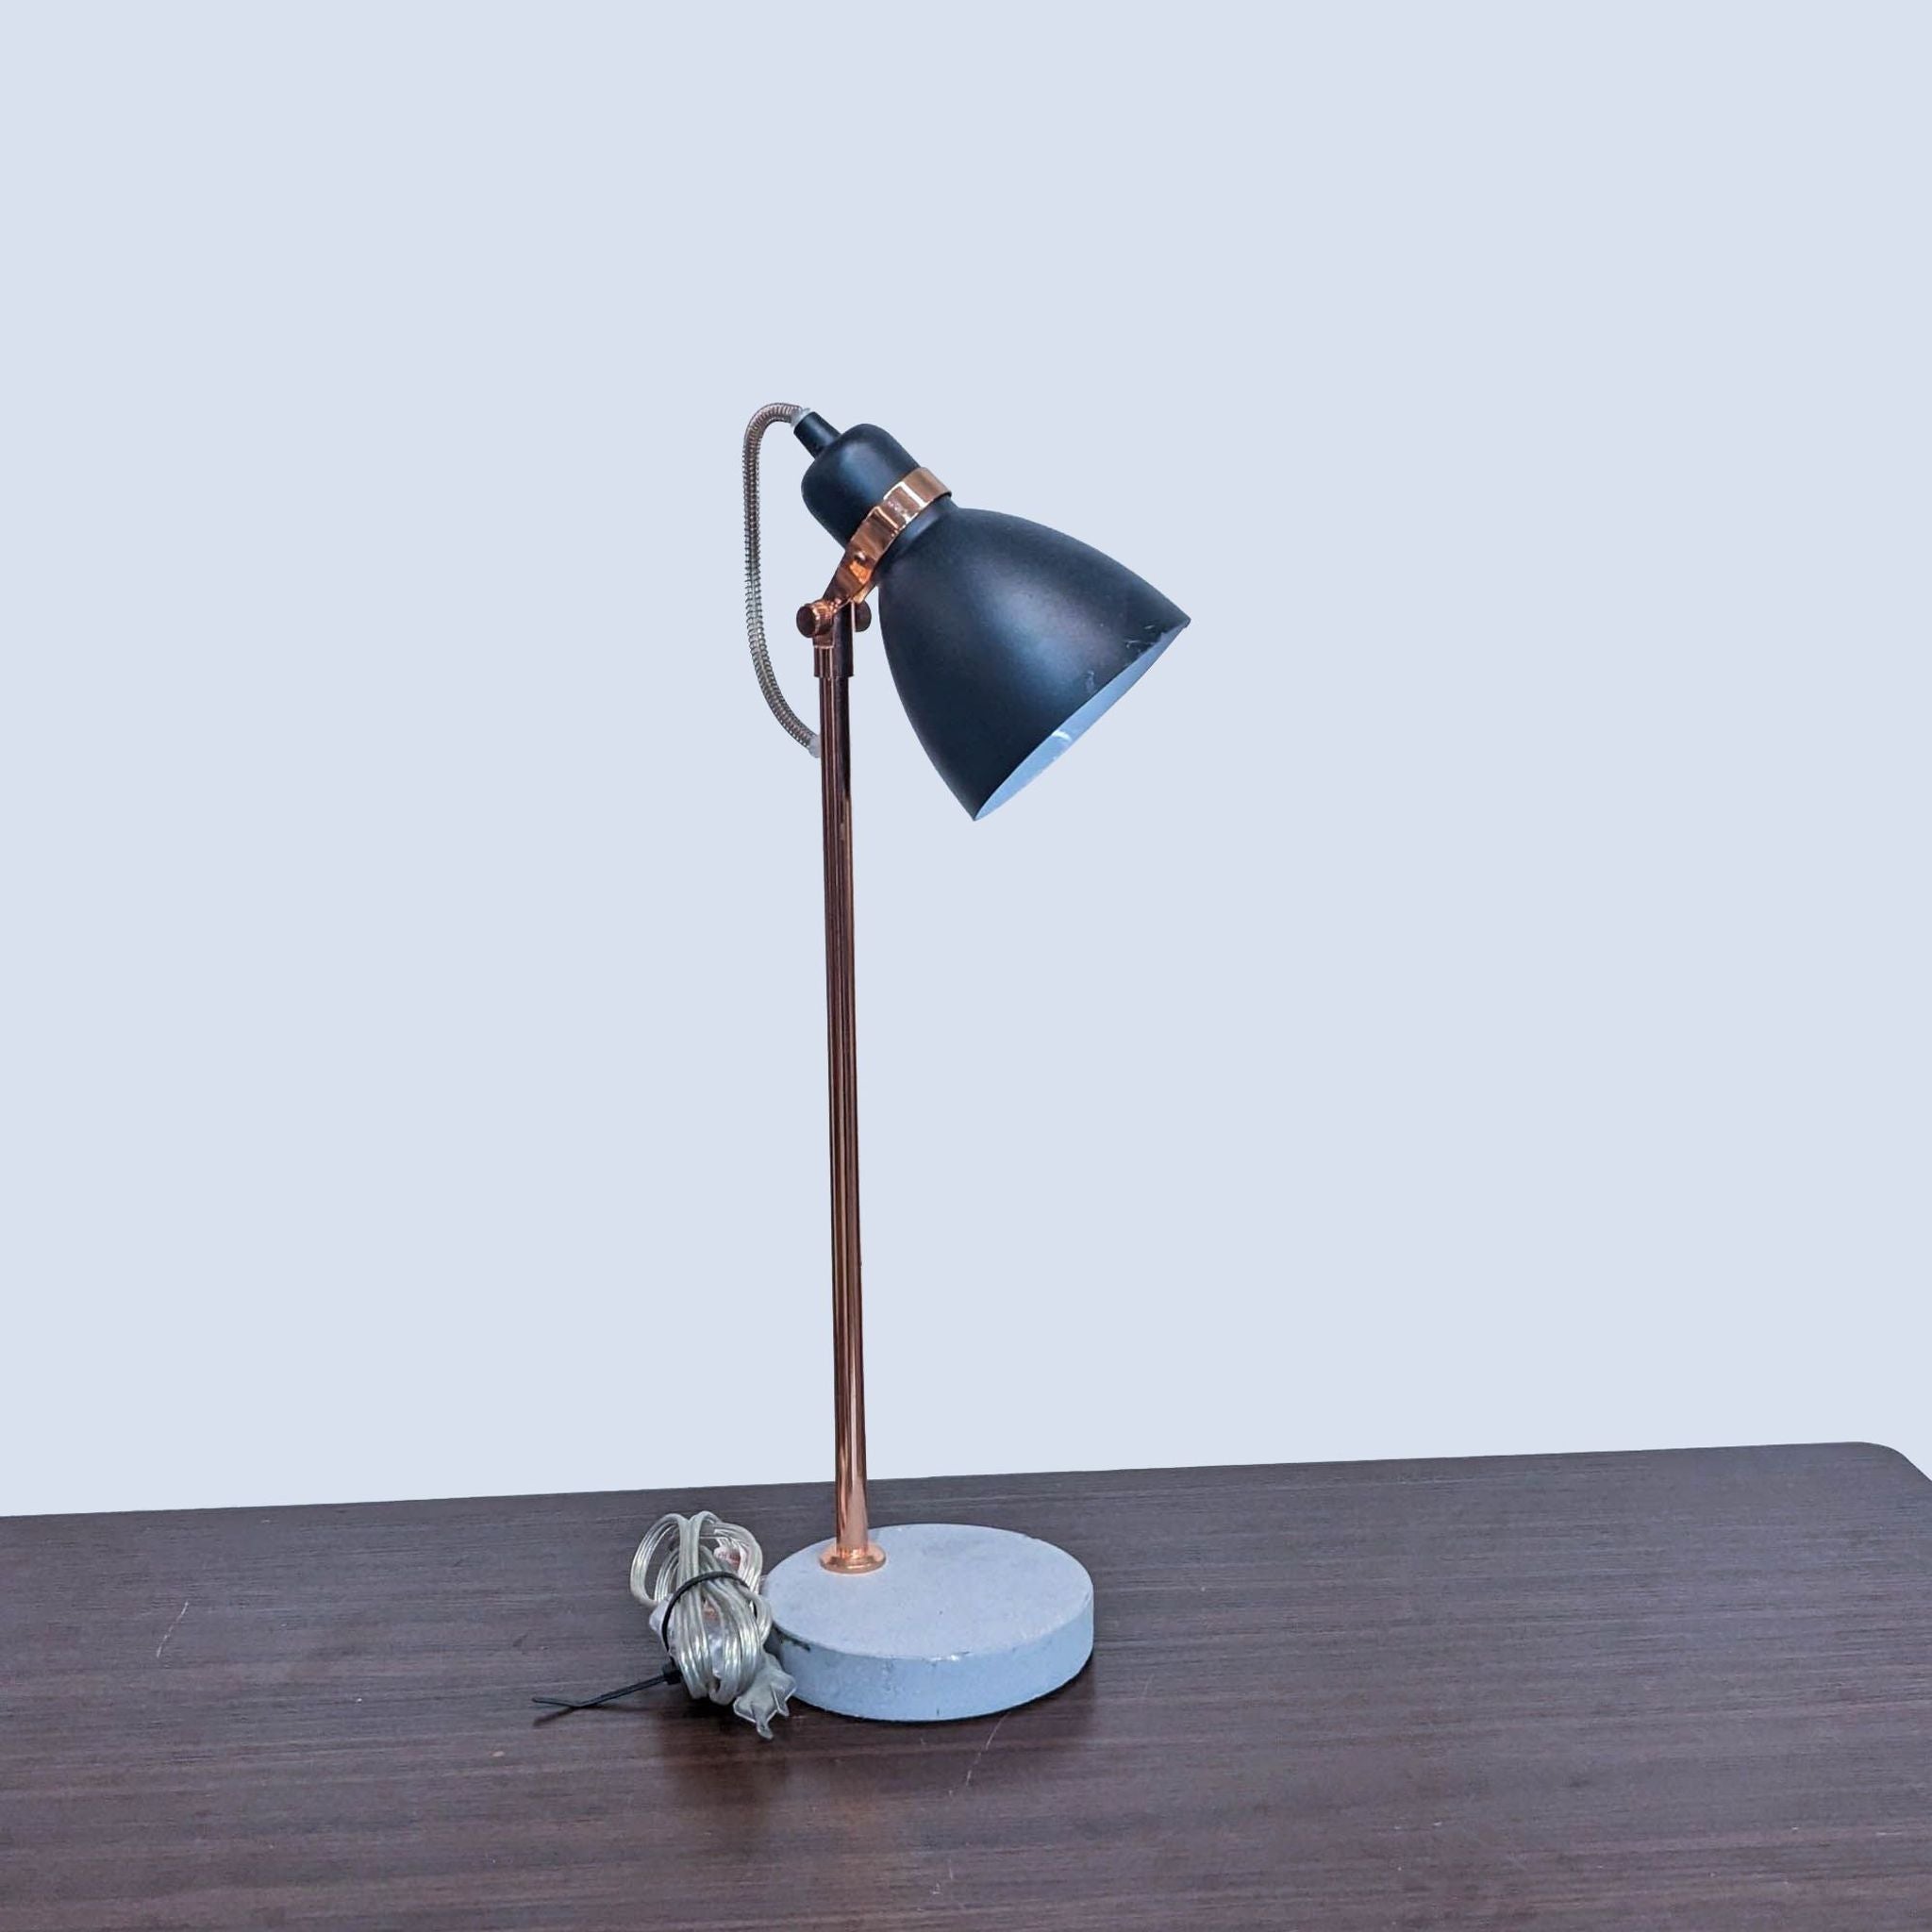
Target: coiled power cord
x,y
699,1576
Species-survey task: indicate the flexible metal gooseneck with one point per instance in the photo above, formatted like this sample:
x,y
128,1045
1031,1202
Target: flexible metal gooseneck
x,y
794,725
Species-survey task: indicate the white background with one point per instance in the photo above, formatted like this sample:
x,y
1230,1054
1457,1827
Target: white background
x,y
1471,998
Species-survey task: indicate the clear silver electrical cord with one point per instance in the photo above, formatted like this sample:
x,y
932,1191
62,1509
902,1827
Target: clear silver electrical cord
x,y
700,1578
794,725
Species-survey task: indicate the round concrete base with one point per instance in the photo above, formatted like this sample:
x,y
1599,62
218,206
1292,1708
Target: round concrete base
x,y
957,1622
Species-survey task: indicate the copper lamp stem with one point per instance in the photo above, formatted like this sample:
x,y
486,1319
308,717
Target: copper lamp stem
x,y
852,1549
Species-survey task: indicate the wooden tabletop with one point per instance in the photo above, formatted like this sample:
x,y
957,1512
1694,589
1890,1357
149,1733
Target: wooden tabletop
x,y
1685,1690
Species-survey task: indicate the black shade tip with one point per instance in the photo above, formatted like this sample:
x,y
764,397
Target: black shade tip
x,y
852,472
813,431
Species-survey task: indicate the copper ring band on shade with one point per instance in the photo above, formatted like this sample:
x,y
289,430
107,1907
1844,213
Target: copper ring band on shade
x,y
913,494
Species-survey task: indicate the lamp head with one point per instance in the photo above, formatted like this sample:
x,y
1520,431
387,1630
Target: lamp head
x,y
1006,639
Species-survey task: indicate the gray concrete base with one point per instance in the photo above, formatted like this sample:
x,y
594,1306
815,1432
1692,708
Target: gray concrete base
x,y
958,1621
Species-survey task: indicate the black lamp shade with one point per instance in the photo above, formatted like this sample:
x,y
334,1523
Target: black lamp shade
x,y
1006,639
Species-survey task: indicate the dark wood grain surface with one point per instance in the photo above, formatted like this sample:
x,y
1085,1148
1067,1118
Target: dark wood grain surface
x,y
1687,1689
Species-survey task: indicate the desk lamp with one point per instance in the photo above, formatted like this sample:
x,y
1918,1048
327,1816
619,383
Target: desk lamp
x,y
1005,642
